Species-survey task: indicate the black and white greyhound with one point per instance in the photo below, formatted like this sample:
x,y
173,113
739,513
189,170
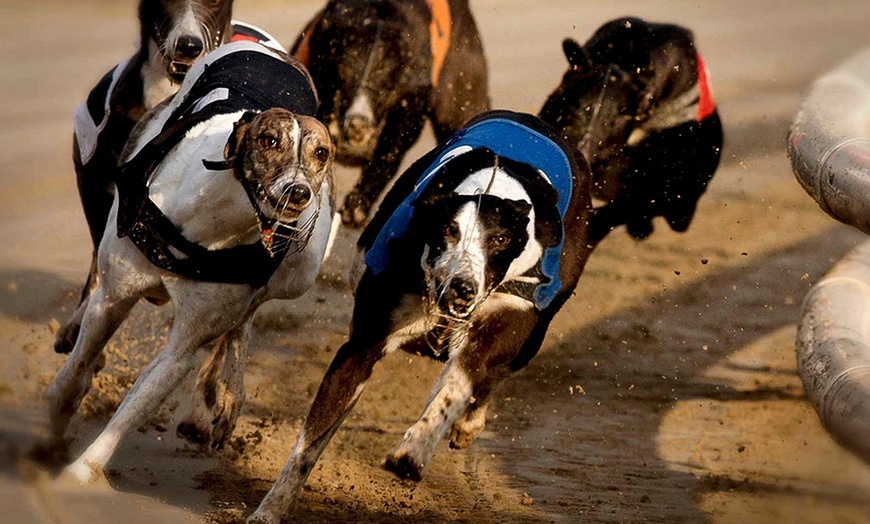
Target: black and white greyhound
x,y
225,201
636,102
173,35
467,260
382,67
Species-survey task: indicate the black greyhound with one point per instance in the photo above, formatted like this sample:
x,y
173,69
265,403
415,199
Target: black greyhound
x,y
471,254
173,35
382,67
636,101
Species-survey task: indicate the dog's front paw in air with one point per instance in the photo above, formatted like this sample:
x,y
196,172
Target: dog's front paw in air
x,y
404,466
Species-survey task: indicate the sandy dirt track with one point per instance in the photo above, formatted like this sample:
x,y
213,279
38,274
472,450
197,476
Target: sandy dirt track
x,y
666,390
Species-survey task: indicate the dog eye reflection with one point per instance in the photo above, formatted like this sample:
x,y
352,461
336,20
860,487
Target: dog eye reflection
x,y
501,240
321,154
268,142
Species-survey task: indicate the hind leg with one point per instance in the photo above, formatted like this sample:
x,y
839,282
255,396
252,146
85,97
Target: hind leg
x,y
101,317
219,392
203,312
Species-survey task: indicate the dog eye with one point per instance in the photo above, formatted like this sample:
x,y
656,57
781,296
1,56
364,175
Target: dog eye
x,y
321,153
502,240
268,142
451,231
216,3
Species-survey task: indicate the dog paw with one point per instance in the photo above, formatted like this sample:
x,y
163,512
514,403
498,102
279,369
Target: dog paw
x,y
224,422
355,210
461,438
84,473
404,466
640,228
211,427
66,337
52,454
194,431
263,517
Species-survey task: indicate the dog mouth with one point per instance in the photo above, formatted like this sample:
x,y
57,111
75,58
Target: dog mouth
x,y
178,69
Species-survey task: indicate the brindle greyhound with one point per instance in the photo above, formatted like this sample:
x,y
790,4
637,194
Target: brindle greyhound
x,y
636,102
382,67
467,260
224,202
173,35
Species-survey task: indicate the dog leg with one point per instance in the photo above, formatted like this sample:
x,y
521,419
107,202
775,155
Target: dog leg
x,y
68,334
100,317
501,326
450,398
195,426
400,132
219,392
341,388
468,427
203,311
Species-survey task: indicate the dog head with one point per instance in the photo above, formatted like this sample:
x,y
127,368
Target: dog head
x,y
283,158
367,61
470,242
594,106
184,30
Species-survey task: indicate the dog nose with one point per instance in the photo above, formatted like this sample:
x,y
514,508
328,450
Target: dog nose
x,y
355,128
188,47
298,194
459,297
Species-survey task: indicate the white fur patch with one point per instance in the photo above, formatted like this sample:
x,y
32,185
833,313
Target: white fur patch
x,y
210,207
465,258
502,185
361,106
156,86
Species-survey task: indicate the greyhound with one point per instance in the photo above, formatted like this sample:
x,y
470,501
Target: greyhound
x,y
224,201
467,260
636,101
382,67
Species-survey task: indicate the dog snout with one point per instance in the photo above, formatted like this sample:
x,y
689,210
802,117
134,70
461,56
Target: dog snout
x,y
298,195
188,47
356,129
459,297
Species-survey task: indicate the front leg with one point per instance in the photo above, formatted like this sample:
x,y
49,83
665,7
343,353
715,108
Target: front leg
x,y
450,398
402,129
341,388
501,326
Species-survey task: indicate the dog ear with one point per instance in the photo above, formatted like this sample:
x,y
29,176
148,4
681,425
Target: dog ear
x,y
429,201
520,206
238,135
577,57
548,227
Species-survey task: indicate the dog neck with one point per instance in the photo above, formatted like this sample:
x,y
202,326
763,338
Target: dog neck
x,y
156,83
